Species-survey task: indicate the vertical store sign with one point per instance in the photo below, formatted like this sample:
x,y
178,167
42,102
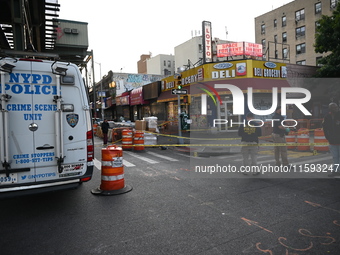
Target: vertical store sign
x,y
207,47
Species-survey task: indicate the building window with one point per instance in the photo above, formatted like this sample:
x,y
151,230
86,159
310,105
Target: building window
x,y
300,48
169,63
275,38
301,62
263,42
317,8
284,21
300,15
200,48
284,37
284,53
164,62
317,25
276,54
334,3
263,29
300,31
275,22
317,61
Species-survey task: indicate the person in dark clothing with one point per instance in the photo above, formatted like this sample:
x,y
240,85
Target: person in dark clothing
x,y
105,129
278,136
331,128
249,138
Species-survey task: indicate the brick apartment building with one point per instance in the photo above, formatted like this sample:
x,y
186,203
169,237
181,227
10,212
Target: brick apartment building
x,y
288,32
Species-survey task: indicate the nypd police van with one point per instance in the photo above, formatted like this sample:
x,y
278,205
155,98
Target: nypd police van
x,y
46,138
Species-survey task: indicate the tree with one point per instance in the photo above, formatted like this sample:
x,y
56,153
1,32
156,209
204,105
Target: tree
x,y
327,39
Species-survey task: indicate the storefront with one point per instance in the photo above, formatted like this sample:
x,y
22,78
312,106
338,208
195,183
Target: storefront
x,y
123,106
211,88
137,103
109,107
169,102
151,93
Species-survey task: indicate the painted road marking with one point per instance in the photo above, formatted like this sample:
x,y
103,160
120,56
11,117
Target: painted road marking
x,y
151,161
98,164
161,156
127,163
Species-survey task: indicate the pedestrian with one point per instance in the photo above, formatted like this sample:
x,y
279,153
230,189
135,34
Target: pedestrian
x,y
331,128
250,133
105,129
278,136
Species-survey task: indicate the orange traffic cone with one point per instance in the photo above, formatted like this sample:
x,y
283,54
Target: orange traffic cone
x,y
112,173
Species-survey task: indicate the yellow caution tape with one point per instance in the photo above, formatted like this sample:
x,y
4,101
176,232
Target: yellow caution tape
x,y
226,145
176,136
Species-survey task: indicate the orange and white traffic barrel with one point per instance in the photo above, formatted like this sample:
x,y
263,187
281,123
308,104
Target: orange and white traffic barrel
x,y
303,137
138,141
291,140
112,173
127,139
319,137
95,129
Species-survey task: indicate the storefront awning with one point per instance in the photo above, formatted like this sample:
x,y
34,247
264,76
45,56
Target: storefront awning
x,y
152,90
167,96
136,97
124,99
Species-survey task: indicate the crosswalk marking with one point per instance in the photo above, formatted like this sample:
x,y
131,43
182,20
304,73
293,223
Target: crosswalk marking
x,y
98,164
161,156
127,163
151,161
235,158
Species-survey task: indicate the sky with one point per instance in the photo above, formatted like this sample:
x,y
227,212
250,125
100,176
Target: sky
x,y
121,31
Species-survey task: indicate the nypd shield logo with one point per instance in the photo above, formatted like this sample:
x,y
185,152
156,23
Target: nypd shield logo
x,y
72,119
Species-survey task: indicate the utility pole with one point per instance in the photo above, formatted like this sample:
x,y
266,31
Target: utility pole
x,y
94,88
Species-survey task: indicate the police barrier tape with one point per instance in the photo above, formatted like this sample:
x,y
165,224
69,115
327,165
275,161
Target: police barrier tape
x,y
192,138
212,139
217,145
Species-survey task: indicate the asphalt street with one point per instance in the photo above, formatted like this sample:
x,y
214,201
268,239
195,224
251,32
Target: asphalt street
x,y
172,210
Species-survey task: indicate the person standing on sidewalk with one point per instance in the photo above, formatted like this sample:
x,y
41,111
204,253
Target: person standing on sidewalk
x,y
249,139
331,128
105,129
278,136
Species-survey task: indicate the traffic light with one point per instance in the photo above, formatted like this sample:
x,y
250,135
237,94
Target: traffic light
x,y
178,81
187,99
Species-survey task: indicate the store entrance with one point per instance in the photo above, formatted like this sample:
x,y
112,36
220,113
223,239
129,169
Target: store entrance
x,y
225,113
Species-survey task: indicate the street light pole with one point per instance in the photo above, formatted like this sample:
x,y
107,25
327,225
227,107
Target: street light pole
x,y
101,90
94,89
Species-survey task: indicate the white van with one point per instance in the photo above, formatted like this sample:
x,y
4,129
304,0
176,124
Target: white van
x,y
46,137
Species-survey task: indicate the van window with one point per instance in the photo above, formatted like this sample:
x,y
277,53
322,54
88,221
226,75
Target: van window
x,y
67,80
